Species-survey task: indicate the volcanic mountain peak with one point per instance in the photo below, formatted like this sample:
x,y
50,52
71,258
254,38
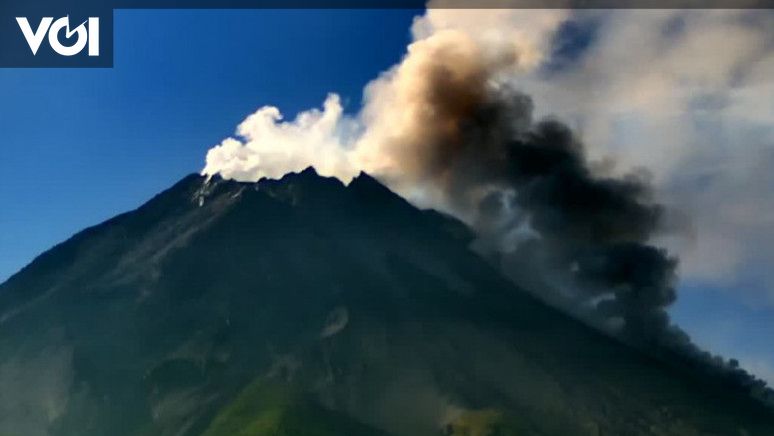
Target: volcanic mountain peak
x,y
307,183
303,306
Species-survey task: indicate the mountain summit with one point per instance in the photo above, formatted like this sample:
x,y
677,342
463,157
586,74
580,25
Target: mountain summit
x,y
302,306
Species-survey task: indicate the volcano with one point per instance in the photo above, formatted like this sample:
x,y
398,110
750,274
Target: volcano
x,y
302,306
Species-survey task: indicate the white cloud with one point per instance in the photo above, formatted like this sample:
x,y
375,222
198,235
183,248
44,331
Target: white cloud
x,y
689,95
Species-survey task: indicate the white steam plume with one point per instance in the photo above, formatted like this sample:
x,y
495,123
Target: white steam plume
x,y
269,147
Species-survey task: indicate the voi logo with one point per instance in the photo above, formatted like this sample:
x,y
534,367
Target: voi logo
x,y
87,34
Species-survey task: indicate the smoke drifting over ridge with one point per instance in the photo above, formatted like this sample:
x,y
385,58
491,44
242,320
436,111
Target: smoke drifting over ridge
x,y
445,128
449,128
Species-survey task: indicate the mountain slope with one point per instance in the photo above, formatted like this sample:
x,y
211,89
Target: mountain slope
x,y
339,307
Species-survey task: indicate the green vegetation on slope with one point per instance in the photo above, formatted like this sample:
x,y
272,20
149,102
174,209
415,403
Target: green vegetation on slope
x,y
266,408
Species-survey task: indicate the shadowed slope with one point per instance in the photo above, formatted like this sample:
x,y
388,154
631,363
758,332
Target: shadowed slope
x,y
219,305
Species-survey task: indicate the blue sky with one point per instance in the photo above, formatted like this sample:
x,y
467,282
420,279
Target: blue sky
x,y
79,146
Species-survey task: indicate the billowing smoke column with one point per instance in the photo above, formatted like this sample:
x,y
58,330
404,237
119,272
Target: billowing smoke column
x,y
589,233
484,155
448,128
